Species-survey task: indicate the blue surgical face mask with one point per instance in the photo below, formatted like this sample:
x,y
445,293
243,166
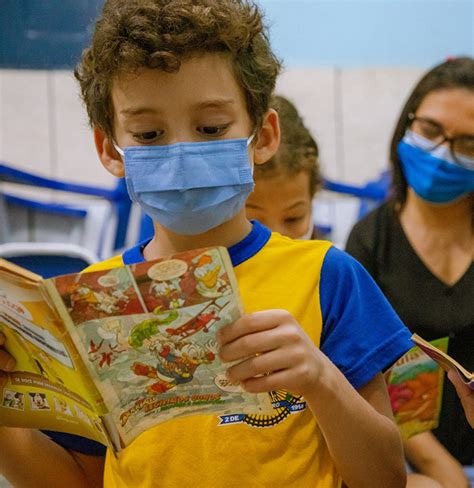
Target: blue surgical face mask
x,y
190,187
434,175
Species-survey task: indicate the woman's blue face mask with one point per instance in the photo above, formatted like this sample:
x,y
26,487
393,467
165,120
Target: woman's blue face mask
x,y
434,175
190,187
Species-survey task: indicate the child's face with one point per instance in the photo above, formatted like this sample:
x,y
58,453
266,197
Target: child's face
x,y
282,203
201,102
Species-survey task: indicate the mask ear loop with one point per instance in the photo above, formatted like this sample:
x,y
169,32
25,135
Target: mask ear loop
x,y
118,149
249,141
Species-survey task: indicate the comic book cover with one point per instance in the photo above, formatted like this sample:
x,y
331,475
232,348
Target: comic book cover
x,y
49,388
147,334
415,386
444,360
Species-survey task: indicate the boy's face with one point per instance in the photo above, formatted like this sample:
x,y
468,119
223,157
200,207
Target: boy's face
x,y
282,203
201,102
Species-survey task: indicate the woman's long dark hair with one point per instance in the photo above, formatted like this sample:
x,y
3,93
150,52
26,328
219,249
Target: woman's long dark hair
x,y
455,73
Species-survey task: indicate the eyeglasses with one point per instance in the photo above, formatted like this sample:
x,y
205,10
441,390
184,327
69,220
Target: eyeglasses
x,y
460,146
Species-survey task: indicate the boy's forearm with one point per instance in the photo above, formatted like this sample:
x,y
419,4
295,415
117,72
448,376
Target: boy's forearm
x,y
30,459
364,443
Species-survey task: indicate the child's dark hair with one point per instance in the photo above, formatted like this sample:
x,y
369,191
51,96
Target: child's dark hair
x,y
454,73
160,34
298,150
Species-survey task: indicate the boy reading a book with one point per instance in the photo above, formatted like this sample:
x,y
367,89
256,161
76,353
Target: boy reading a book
x,y
178,93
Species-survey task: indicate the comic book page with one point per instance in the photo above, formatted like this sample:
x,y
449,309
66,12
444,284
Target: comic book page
x,y
47,390
415,386
444,360
148,333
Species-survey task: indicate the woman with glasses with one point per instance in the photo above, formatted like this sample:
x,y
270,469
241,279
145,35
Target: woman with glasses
x,y
419,246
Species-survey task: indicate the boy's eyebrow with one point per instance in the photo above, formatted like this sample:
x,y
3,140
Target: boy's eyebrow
x,y
138,111
214,103
296,204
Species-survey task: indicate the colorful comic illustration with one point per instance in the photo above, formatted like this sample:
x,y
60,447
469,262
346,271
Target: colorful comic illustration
x,y
192,279
97,295
154,366
415,386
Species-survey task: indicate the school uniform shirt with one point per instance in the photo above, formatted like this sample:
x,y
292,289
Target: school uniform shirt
x,y
340,308
426,305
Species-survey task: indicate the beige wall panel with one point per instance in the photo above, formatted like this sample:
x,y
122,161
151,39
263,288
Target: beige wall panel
x,y
25,119
372,99
76,158
312,91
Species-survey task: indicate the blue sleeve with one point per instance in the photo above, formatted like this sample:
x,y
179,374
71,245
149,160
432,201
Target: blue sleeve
x,y
362,335
76,443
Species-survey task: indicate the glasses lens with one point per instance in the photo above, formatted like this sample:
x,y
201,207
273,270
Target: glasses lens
x,y
464,146
429,130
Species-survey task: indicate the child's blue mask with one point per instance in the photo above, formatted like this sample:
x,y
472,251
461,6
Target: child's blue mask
x,y
190,187
434,175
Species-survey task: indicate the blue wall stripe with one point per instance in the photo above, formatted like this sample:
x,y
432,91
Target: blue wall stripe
x,y
46,34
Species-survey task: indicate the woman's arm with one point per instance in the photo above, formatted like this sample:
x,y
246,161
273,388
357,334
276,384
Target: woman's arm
x,y
430,458
466,395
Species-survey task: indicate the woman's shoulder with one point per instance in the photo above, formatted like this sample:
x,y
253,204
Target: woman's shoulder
x,y
370,227
371,235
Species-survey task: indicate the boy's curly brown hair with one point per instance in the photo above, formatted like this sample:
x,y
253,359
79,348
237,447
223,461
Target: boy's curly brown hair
x,y
298,150
160,34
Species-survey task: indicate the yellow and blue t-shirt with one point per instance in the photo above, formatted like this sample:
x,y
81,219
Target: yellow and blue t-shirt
x,y
345,314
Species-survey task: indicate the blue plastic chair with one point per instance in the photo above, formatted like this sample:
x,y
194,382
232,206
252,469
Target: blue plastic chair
x,y
117,197
371,195
336,216
47,259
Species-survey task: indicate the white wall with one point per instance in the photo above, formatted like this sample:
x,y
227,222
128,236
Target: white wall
x,y
43,127
351,112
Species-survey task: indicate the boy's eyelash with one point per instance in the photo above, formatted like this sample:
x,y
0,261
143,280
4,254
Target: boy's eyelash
x,y
293,219
219,129
142,136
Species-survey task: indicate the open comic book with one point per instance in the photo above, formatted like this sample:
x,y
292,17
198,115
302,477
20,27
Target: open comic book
x,y
109,354
444,360
415,386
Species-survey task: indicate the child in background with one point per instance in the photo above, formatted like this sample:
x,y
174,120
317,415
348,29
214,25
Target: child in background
x,y
178,96
287,183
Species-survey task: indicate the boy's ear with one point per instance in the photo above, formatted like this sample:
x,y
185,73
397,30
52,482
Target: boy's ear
x,y
268,138
108,155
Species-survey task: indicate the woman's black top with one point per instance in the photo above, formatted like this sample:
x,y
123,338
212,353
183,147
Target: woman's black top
x,y
426,305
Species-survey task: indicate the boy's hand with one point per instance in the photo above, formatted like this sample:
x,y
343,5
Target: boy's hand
x,y
274,353
7,362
